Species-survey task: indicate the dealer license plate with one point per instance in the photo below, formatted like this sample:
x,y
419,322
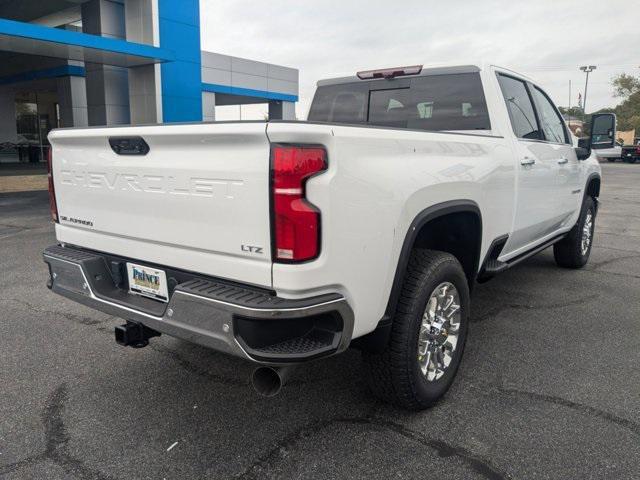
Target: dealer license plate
x,y
147,281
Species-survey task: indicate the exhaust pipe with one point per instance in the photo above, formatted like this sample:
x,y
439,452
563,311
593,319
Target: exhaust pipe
x,y
268,381
134,335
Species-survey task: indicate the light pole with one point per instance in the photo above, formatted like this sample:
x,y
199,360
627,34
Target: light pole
x,y
586,69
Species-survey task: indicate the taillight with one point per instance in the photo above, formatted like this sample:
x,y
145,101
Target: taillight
x,y
296,222
52,193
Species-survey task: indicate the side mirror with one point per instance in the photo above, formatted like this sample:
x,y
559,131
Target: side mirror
x,y
583,150
583,153
603,131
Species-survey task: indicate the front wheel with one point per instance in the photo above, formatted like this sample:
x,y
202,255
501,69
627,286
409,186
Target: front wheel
x,y
427,336
573,250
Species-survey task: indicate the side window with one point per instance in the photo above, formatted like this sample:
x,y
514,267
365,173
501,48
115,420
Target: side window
x,y
550,119
520,107
448,102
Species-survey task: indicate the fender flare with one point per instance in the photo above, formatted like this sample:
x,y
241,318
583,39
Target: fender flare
x,y
592,176
425,216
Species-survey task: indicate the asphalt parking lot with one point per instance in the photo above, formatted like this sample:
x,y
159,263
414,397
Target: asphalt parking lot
x,y
549,386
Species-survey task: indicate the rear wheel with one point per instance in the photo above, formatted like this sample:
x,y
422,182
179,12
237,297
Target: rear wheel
x,y
573,251
427,336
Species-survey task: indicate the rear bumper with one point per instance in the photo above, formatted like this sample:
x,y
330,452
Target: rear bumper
x,y
237,320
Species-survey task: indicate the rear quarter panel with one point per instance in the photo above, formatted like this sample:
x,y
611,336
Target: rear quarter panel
x,y
377,182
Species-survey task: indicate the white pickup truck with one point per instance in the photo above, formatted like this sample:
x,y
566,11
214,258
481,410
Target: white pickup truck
x,y
367,225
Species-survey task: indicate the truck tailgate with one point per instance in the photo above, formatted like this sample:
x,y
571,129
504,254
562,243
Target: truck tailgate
x,y
198,200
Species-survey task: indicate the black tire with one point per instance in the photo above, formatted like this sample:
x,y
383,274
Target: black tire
x,y
568,252
611,160
394,375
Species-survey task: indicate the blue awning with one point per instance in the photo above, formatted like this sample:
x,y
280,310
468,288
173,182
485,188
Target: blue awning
x,y
258,95
30,39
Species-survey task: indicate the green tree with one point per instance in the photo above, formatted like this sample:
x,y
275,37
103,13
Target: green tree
x,y
627,87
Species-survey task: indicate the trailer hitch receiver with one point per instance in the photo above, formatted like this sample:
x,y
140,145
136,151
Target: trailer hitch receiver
x,y
133,334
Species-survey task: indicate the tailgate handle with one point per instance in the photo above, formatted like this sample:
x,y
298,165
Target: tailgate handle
x,y
129,145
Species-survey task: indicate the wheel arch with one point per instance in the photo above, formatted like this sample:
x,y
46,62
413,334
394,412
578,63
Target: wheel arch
x,y
417,230
592,186
378,338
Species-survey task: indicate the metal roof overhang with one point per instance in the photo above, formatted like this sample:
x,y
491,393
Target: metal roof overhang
x,y
32,39
229,95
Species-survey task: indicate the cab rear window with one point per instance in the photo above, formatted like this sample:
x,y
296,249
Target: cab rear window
x,y
435,102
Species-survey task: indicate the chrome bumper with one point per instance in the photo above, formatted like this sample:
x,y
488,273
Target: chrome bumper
x,y
208,313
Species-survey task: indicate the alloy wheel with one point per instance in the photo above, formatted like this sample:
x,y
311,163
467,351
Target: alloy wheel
x,y
439,331
587,233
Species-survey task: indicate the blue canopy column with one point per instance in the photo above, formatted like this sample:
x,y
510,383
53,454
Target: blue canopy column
x,y
181,79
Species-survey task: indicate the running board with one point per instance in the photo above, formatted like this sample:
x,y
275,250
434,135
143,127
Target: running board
x,y
491,265
523,256
494,266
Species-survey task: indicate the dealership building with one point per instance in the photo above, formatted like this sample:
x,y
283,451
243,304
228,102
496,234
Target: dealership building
x,y
76,63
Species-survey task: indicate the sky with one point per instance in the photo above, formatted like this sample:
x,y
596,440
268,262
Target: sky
x,y
546,40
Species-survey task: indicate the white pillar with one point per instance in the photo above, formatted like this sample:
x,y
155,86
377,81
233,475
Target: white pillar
x,y
72,98
107,86
208,106
145,96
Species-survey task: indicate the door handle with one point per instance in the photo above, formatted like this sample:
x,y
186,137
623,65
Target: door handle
x,y
527,161
563,160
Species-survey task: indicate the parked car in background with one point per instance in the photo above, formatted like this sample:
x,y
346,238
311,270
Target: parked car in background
x,y
368,225
631,153
610,154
